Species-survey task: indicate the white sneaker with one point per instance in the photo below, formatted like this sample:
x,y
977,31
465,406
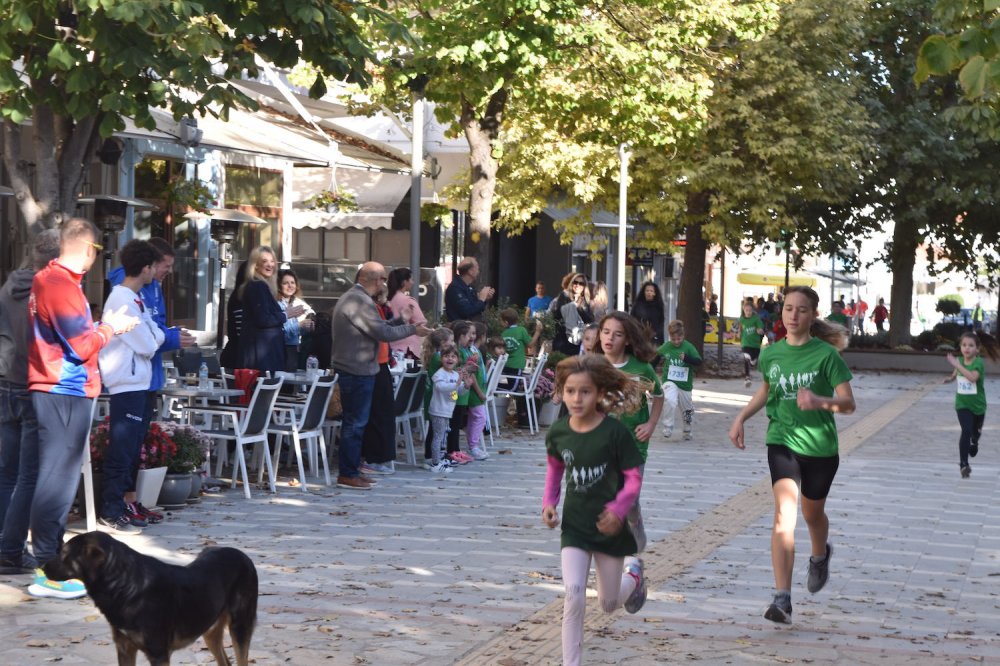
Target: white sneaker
x,y
747,382
479,454
687,434
668,432
443,467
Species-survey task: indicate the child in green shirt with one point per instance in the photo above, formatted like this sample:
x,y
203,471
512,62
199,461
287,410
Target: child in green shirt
x,y
751,333
805,383
678,378
970,397
519,343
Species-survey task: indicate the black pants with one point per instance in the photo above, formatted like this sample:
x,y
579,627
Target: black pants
x,y
378,444
972,427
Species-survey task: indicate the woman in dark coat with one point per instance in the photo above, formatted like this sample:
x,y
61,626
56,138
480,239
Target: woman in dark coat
x,y
230,358
649,310
569,329
262,340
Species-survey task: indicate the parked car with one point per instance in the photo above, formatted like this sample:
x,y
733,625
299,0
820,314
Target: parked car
x,y
964,319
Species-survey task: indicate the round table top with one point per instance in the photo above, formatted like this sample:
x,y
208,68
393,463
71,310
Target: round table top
x,y
183,391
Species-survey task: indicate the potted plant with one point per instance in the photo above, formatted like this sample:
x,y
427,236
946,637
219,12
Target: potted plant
x,y
333,201
192,449
548,411
157,450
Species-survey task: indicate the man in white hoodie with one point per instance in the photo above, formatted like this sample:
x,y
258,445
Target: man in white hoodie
x,y
126,368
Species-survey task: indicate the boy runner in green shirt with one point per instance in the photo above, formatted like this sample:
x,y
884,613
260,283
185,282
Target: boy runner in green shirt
x,y
678,378
751,333
518,341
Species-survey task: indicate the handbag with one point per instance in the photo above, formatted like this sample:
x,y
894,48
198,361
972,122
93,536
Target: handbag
x,y
572,322
246,380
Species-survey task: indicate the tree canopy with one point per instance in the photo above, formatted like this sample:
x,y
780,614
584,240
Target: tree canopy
x,y
77,70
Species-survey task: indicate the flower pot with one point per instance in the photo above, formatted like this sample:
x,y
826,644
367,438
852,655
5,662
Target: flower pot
x,y
195,495
148,484
547,414
501,404
175,491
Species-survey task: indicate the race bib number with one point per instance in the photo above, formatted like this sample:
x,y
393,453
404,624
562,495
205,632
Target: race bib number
x,y
965,387
677,373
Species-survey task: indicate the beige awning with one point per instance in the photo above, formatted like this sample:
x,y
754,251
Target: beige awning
x,y
315,219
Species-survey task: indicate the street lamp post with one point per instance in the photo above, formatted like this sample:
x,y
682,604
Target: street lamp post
x,y
624,153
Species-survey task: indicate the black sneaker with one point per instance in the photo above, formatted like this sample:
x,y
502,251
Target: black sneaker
x,y
819,572
20,564
973,449
120,525
776,613
134,517
966,471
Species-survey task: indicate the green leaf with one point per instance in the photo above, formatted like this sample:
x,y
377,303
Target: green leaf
x,y
60,57
318,88
973,77
937,56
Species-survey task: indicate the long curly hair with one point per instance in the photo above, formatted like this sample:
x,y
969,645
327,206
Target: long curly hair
x,y
618,393
637,342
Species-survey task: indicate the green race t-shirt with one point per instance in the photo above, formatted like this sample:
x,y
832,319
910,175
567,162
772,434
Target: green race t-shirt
x,y
817,366
594,463
749,335
516,339
838,319
473,400
637,368
676,370
971,395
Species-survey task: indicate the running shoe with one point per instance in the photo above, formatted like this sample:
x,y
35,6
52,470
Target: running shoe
x,y
687,435
151,516
56,589
636,600
966,471
779,613
479,454
668,432
747,382
459,458
134,517
819,572
973,449
442,467
120,525
24,563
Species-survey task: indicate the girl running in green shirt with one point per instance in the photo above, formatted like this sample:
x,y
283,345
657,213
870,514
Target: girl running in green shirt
x,y
970,396
805,383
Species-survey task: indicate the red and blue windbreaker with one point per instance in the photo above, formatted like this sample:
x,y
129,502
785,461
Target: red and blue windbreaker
x,y
63,358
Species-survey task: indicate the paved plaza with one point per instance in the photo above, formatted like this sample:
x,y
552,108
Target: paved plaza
x,y
458,569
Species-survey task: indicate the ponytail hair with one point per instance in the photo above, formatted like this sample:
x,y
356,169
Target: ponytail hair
x,y
827,331
618,393
985,342
433,342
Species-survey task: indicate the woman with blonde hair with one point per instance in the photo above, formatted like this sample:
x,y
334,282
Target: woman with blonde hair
x,y
572,312
262,339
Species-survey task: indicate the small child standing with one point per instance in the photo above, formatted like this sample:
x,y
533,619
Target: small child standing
x,y
447,386
476,368
751,334
603,471
431,357
970,397
518,340
588,342
678,382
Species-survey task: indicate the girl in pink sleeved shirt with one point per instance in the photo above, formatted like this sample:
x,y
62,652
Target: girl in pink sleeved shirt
x,y
602,466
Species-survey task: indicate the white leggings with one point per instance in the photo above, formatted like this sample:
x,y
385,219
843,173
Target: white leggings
x,y
672,397
613,588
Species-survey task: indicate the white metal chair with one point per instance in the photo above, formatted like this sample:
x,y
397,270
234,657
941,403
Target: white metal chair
x,y
248,427
527,384
409,409
492,382
306,423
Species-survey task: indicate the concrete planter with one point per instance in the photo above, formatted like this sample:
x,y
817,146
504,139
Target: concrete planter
x,y
906,361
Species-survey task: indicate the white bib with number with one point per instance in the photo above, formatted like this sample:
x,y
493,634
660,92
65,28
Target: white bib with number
x,y
965,387
677,373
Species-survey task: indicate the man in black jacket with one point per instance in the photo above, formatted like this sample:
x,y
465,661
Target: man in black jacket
x,y
18,425
461,301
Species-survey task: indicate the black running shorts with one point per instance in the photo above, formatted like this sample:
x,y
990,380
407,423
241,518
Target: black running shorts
x,y
814,475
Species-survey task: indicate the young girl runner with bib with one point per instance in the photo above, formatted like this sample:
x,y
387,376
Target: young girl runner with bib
x,y
602,466
970,396
805,381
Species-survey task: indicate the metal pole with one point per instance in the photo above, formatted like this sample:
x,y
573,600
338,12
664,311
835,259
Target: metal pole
x,y
722,301
416,173
623,154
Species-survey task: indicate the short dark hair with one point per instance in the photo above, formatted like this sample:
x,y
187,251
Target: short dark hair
x,y
77,228
161,246
44,249
509,316
466,264
135,255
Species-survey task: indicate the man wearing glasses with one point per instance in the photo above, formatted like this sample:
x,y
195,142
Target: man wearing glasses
x,y
63,381
461,301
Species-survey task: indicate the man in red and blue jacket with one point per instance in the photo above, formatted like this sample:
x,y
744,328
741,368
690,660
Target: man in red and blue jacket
x,y
63,380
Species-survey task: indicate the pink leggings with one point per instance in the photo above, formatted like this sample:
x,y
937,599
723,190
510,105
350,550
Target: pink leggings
x,y
474,426
613,588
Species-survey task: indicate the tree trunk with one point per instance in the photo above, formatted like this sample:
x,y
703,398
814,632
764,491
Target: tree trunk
x,y
690,303
902,259
481,132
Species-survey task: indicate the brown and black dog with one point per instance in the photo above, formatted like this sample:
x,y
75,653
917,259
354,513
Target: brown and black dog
x,y
155,607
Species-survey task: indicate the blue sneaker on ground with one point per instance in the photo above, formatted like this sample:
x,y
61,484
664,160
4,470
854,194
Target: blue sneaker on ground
x,y
56,589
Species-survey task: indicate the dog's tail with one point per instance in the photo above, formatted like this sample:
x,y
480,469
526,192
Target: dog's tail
x,y
243,611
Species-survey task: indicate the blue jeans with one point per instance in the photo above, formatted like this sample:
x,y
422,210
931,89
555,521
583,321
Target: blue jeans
x,y
122,458
63,428
356,399
18,467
